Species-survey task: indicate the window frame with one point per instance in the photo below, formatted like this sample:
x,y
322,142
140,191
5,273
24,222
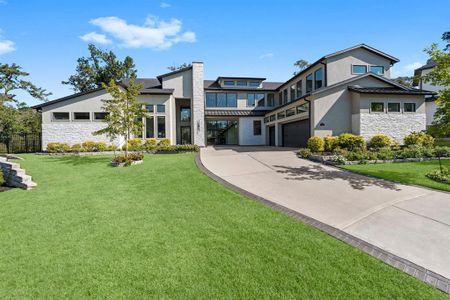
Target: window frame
x,y
150,105
382,67
229,83
315,78
257,130
60,120
281,115
394,112
99,112
243,83
292,92
357,73
268,99
158,106
293,110
157,127
254,99
299,88
285,96
75,119
409,112
311,81
272,118
258,100
377,112
254,83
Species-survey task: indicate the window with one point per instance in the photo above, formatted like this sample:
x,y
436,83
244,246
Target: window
x,y
272,118
242,83
149,128
221,100
257,127
61,116
161,127
228,83
100,115
293,92
150,108
285,96
266,119
211,99
280,115
379,70
318,79
231,100
393,107
260,99
309,83
299,88
81,116
359,69
270,100
303,108
185,114
377,107
250,100
254,83
290,112
280,98
409,107
160,108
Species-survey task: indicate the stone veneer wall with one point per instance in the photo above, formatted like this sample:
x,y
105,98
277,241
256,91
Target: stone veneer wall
x,y
396,126
73,133
14,175
198,104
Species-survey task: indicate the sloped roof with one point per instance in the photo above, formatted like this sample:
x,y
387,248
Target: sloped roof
x,y
266,86
160,77
389,90
429,65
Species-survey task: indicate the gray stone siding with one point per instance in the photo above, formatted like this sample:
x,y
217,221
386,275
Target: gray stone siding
x,y
198,105
396,126
15,176
73,133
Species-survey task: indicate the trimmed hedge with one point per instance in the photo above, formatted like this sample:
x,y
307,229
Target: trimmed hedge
x,y
58,147
380,141
330,143
316,144
420,139
350,141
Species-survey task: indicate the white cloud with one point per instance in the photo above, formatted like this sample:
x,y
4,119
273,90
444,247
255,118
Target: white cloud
x,y
162,5
155,33
3,2
413,66
6,46
266,55
96,38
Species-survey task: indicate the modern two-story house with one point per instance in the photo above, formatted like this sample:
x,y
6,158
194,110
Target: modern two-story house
x,y
346,91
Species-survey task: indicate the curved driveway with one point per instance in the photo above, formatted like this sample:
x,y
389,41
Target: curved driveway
x,y
410,222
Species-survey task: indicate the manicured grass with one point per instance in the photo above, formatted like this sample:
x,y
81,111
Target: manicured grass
x,y
164,230
410,173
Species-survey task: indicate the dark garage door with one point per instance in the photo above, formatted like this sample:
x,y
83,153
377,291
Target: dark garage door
x,y
296,134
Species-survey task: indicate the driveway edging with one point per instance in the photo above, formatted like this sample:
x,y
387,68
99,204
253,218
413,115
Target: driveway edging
x,y
438,281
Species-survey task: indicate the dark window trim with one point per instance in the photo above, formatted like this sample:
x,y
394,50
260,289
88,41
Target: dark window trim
x,y
99,112
257,130
399,107
410,112
60,120
353,73
370,68
81,112
377,112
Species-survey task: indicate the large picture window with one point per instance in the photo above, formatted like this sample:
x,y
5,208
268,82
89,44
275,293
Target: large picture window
x,y
221,100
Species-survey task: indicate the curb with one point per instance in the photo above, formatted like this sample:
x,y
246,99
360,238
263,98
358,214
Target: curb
x,y
437,281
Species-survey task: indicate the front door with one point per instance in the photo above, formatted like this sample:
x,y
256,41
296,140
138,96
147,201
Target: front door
x,y
185,134
272,136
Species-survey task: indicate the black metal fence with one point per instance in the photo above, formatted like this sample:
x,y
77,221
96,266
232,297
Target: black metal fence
x,y
24,143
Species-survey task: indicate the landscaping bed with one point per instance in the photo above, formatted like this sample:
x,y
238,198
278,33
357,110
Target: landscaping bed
x,y
165,230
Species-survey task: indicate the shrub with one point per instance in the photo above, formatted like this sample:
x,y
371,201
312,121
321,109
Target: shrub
x,y
58,147
380,141
151,142
330,143
385,154
111,147
419,139
187,148
316,144
338,159
91,146
164,142
350,141
439,176
412,151
442,151
304,153
361,155
166,149
76,148
128,160
134,145
2,179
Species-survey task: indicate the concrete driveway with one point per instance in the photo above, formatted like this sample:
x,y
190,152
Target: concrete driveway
x,y
410,222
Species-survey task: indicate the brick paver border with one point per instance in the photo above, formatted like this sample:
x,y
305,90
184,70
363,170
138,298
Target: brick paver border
x,y
440,282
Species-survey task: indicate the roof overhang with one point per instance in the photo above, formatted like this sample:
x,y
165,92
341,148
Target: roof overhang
x,y
234,113
394,90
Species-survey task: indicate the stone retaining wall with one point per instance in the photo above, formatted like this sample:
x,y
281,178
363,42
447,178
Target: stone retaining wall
x,y
15,176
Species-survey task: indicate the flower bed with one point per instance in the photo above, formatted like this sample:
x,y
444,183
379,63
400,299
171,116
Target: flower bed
x,y
131,159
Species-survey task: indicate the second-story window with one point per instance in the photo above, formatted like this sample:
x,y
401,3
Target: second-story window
x,y
254,83
299,89
359,69
221,100
309,83
160,108
260,99
242,83
270,100
250,100
292,92
229,83
318,79
285,96
379,70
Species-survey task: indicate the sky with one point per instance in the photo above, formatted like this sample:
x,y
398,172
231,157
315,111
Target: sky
x,y
233,38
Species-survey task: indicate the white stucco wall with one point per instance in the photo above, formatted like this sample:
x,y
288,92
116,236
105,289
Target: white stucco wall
x,y
430,108
246,136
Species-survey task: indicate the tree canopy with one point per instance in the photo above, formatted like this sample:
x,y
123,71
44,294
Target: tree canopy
x,y
98,68
178,67
301,64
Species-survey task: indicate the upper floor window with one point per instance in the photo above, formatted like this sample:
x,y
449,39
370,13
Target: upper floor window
x,y
377,107
409,107
272,118
250,100
242,83
161,108
260,99
149,107
290,112
81,116
303,108
61,116
309,83
394,107
299,88
292,89
318,79
229,83
285,96
270,100
221,100
253,83
379,70
359,69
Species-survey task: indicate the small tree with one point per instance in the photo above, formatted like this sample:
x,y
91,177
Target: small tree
x,y
301,64
125,113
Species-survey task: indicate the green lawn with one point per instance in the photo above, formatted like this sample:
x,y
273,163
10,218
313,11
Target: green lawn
x,y
410,173
164,230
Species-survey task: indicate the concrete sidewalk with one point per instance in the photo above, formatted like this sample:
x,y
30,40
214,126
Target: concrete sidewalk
x,y
410,222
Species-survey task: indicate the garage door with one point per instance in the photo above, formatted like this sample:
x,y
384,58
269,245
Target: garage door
x,y
296,134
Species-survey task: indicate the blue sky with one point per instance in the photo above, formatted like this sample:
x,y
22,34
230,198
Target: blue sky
x,y
241,38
